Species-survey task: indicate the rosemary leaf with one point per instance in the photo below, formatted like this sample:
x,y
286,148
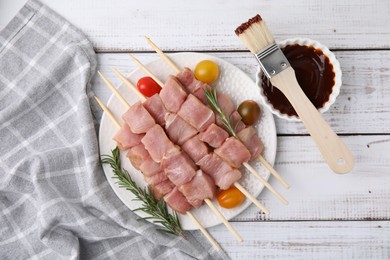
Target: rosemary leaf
x,y
211,95
156,209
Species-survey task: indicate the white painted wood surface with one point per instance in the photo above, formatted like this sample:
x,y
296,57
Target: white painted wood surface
x,y
308,240
329,216
209,25
365,92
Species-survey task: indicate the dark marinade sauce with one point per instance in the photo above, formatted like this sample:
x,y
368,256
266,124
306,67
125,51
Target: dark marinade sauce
x,y
314,73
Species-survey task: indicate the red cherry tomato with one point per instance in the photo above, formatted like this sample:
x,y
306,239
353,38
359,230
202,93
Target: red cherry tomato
x,y
148,87
230,198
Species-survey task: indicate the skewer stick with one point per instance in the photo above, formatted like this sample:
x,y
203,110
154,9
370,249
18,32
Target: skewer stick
x,y
251,198
223,219
129,84
214,209
236,184
110,115
273,171
146,70
162,55
266,184
204,231
177,70
113,89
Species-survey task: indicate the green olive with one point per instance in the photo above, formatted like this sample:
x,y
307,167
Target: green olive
x,y
249,110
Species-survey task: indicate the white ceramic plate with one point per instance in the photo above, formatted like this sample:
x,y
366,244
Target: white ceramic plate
x,y
233,82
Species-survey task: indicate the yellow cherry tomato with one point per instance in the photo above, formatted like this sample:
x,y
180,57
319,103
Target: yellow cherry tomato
x,y
230,198
206,71
249,111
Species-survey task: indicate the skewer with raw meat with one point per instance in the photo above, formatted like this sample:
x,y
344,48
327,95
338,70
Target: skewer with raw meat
x,y
247,137
171,163
188,112
188,213
221,172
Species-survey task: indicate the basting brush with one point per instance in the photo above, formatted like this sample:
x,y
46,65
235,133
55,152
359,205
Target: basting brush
x,y
256,36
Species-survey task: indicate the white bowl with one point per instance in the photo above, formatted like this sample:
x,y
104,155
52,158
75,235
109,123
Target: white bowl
x,y
336,69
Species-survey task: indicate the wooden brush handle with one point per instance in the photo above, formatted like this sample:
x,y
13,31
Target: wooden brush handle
x,y
334,151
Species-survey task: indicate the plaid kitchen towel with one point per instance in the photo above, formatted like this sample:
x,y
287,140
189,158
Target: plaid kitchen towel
x,y
55,202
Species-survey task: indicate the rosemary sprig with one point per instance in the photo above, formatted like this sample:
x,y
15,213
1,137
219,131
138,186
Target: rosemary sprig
x,y
156,209
212,99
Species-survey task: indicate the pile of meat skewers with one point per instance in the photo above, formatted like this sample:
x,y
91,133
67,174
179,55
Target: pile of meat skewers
x,y
180,145
207,156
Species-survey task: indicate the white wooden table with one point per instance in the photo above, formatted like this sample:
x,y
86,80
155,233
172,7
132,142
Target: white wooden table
x,y
329,216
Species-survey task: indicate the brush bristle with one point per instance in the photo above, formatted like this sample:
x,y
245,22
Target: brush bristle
x,y
255,34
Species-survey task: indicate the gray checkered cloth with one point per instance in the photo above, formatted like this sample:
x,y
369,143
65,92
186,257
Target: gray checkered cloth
x,y
55,202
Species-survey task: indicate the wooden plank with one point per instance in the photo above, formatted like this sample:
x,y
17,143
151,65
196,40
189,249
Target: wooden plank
x,y
317,193
364,95
209,25
308,240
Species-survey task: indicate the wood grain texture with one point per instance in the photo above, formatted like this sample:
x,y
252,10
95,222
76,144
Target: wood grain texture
x,y
361,108
308,240
317,193
209,25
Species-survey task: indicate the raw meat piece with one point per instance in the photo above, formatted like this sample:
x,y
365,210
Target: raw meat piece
x,y
157,143
176,201
188,80
137,155
172,94
149,167
179,168
225,103
233,152
178,130
195,148
162,189
126,139
214,136
223,175
201,187
156,108
196,113
250,139
138,118
156,178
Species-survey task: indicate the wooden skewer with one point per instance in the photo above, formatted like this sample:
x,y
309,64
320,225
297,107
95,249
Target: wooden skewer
x,y
273,171
223,219
129,84
266,184
246,165
146,70
214,209
110,115
200,226
162,55
113,89
251,198
236,184
204,231
177,70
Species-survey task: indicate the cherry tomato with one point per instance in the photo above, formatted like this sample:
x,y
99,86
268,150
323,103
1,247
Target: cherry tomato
x,y
206,71
148,87
249,110
230,198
